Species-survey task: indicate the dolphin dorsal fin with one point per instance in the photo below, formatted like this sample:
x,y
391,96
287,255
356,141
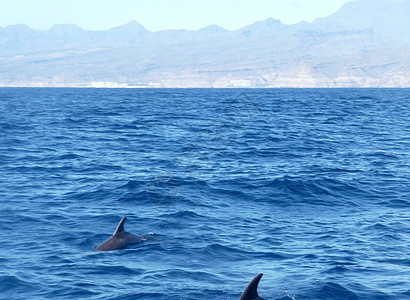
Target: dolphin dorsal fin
x,y
120,227
251,292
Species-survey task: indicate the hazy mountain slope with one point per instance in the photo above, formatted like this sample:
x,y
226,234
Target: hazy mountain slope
x,y
385,17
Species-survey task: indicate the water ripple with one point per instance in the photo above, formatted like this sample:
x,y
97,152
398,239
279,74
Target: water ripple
x,y
308,186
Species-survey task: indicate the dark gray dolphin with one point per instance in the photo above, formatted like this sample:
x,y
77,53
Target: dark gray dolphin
x,y
251,292
120,239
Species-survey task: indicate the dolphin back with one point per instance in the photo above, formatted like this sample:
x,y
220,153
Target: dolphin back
x,y
120,239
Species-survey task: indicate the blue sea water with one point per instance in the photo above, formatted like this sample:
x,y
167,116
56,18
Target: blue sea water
x,y
308,186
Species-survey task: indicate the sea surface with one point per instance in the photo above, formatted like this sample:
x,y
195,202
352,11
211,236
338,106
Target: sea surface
x,y
309,186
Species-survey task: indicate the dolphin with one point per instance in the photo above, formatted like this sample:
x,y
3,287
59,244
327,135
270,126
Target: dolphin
x,y
120,239
251,292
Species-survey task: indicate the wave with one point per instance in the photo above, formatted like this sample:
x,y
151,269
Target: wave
x,y
15,285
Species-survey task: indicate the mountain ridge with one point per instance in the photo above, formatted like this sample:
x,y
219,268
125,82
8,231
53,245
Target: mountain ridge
x,y
345,49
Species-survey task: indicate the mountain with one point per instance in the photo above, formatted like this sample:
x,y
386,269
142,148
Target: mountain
x,y
365,44
64,31
263,28
129,32
210,31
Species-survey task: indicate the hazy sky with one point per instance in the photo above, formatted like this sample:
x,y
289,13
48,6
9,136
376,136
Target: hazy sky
x,y
161,14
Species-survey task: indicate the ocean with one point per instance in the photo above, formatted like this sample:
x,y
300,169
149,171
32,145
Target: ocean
x,y
308,186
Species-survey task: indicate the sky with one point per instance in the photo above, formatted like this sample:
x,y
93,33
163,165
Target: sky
x,y
158,15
